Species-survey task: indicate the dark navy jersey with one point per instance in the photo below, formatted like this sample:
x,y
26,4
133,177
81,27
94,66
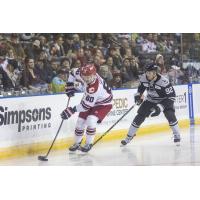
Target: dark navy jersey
x,y
157,90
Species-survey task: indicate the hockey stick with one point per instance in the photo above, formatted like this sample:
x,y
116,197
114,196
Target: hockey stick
x,y
44,158
113,125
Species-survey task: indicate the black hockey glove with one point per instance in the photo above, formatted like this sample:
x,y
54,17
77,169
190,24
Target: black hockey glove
x,y
68,112
156,110
138,99
70,89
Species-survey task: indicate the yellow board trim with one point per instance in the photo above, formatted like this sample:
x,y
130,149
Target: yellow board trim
x,y
197,121
31,149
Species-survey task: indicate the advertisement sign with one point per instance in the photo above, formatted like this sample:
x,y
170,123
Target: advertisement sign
x,y
196,98
25,120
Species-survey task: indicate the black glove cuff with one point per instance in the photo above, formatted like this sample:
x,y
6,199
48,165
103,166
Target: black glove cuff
x,y
74,109
70,84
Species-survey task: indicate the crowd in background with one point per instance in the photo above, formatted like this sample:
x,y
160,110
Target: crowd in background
x,y
40,63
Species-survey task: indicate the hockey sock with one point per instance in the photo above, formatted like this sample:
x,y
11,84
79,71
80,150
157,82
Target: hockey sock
x,y
132,130
90,134
78,135
175,129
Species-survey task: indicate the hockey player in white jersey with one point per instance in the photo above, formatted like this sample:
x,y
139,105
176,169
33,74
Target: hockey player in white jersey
x,y
160,98
94,106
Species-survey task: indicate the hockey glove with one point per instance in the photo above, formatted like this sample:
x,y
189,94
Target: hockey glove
x,y
156,110
138,99
70,89
68,112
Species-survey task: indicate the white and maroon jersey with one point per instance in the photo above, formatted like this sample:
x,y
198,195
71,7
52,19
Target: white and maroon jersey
x,y
95,94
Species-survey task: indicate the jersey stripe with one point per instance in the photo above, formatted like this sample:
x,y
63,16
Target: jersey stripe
x,y
107,100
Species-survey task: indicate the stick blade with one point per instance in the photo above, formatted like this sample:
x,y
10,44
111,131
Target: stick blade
x,y
42,158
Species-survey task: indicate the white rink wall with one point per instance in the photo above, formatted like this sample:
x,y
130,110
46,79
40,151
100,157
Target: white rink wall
x,y
196,100
27,120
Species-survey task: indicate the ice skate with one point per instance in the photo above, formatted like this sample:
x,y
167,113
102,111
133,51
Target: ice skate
x,y
74,147
177,139
85,148
127,140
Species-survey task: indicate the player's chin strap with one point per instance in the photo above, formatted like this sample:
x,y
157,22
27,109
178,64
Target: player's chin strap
x,y
113,125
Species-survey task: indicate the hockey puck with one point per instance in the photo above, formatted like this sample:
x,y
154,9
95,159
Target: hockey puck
x,y
42,158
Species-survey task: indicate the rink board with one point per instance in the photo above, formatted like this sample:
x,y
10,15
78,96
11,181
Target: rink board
x,y
196,103
29,124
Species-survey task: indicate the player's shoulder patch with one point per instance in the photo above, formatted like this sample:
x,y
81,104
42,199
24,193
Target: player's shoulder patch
x,y
91,89
164,81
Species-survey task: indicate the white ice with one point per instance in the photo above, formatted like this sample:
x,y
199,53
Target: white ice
x,y
153,149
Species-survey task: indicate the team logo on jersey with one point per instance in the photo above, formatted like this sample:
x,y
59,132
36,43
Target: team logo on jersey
x,y
165,81
91,90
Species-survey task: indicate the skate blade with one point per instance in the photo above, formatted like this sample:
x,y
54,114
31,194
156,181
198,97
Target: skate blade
x,y
177,144
72,152
122,145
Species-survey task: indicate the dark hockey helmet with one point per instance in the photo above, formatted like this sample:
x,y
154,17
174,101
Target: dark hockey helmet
x,y
151,67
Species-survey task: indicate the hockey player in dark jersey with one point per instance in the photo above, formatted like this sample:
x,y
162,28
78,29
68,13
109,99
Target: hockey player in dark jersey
x,y
160,98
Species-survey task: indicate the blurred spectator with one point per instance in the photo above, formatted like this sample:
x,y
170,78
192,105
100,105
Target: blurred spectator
x,y
77,64
59,49
33,50
10,76
65,64
53,68
43,44
76,42
43,57
87,53
41,68
175,75
117,80
165,44
124,46
53,54
16,46
106,74
109,63
134,48
149,46
97,62
31,79
58,83
68,44
117,58
81,56
161,64
124,71
128,53
129,70
134,68
102,46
